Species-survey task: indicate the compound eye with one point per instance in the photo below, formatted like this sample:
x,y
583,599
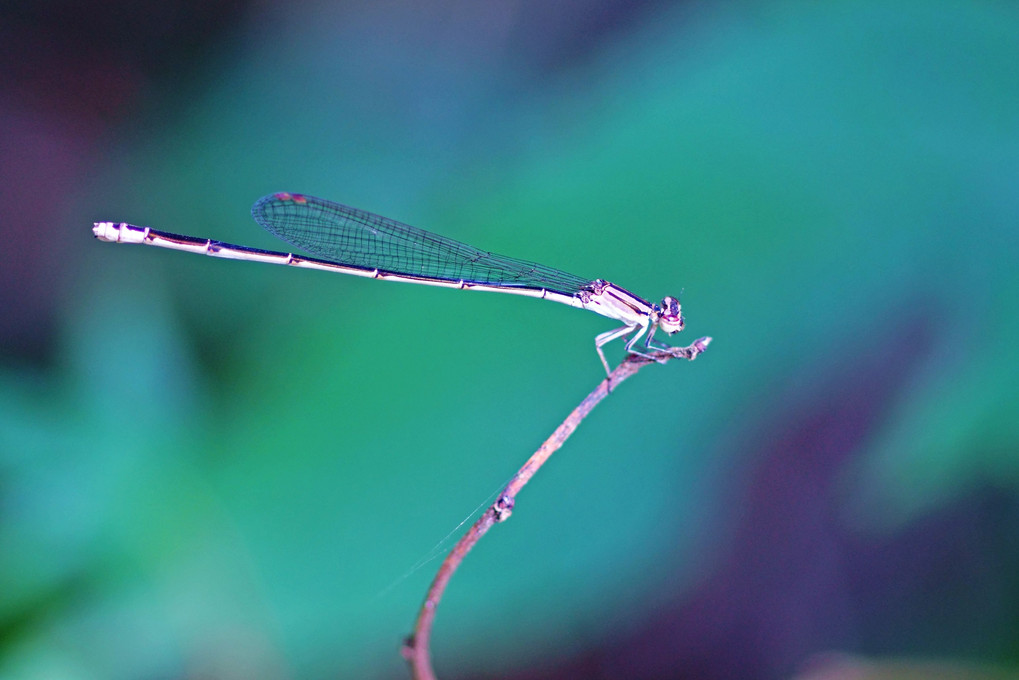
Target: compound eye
x,y
670,318
670,307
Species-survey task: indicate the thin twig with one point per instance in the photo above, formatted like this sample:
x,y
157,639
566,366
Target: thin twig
x,y
416,647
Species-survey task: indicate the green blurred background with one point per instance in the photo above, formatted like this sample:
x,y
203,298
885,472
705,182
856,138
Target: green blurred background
x,y
213,469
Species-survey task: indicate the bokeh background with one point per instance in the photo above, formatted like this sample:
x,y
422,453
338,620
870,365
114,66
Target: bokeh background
x,y
213,469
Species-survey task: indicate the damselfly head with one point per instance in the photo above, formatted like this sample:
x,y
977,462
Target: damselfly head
x,y
670,319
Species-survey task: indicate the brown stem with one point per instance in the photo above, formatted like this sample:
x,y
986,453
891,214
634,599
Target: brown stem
x,y
416,647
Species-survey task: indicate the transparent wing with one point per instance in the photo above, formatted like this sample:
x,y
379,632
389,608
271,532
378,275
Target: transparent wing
x,y
362,239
